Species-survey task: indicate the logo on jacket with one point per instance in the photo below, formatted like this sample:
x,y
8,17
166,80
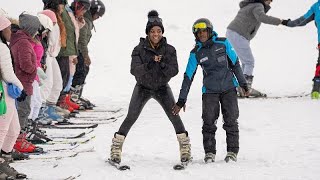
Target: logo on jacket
x,y
204,59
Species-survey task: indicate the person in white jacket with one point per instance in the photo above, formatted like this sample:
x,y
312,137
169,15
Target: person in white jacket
x,y
9,122
52,85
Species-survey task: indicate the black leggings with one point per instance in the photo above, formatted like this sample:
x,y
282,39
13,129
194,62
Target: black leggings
x,y
81,72
140,97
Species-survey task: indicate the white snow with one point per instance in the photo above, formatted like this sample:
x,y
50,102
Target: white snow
x,y
279,138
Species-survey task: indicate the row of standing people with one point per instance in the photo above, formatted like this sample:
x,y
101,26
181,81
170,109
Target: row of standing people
x,y
42,57
154,63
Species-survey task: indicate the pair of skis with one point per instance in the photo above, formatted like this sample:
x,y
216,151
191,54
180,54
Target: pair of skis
x,y
121,167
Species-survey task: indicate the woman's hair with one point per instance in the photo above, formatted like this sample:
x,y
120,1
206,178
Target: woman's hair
x,y
2,38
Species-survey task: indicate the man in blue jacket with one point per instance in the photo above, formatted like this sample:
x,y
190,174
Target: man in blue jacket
x,y
221,75
312,14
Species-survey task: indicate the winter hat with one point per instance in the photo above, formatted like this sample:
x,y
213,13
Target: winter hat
x,y
29,23
153,20
50,14
45,21
4,22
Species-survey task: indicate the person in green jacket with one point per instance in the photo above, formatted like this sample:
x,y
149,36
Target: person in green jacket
x,y
97,10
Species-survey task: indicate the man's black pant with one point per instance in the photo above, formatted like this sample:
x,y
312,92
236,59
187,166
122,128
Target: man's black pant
x,y
63,62
81,73
140,97
210,114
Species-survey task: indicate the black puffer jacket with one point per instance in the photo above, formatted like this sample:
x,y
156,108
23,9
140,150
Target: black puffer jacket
x,y
155,75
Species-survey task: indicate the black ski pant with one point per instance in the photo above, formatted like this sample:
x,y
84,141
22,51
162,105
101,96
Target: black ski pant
x,y
210,114
63,62
81,73
140,97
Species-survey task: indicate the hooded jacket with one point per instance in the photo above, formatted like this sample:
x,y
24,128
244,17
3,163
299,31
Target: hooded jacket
x,y
85,34
6,68
312,14
158,74
250,16
24,59
220,66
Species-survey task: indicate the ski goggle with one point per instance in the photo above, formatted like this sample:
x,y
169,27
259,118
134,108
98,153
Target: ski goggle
x,y
154,19
198,26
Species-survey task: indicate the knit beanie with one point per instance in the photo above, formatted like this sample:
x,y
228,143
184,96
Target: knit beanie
x,y
29,23
153,20
4,23
50,14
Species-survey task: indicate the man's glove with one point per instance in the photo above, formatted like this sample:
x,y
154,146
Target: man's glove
x,y
285,22
22,97
245,89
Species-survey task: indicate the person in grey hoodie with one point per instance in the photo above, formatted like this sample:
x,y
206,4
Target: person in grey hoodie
x,y
243,29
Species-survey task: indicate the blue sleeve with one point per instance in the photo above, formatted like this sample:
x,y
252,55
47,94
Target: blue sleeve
x,y
233,58
231,52
188,77
305,19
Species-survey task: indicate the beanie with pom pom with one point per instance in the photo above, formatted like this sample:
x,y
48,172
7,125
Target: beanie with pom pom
x,y
153,20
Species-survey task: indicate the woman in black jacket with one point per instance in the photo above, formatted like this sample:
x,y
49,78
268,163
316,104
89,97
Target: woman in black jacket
x,y
154,63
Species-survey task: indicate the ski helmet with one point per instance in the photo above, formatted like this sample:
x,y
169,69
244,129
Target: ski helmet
x,y
202,23
97,7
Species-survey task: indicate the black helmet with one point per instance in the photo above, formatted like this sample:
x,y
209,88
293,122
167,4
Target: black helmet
x,y
97,7
202,23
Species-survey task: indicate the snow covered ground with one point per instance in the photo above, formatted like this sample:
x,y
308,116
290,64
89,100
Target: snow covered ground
x,y
279,138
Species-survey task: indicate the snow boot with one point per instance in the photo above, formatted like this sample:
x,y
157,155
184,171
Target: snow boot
x,y
116,148
185,147
315,94
10,171
231,156
209,158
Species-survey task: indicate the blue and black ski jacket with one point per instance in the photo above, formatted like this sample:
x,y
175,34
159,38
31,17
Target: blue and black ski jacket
x,y
220,65
312,14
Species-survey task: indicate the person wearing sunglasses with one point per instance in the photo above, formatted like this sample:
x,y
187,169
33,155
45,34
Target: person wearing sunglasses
x,y
154,63
221,75
313,14
243,29
97,10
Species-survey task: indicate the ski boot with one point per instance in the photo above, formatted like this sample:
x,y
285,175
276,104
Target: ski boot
x,y
4,176
185,147
315,94
209,158
17,156
116,148
231,156
10,171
